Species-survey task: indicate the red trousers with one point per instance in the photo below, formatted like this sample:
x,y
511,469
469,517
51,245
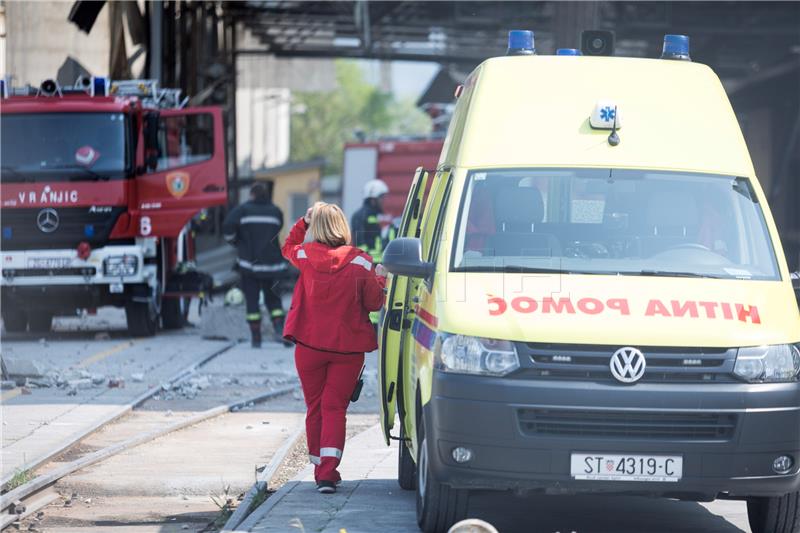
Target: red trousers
x,y
328,380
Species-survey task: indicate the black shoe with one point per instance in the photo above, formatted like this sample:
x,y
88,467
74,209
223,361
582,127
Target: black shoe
x,y
326,487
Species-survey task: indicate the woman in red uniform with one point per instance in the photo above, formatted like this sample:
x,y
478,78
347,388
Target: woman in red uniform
x,y
329,323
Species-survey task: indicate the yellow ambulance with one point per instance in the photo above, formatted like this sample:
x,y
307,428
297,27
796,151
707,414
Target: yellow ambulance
x,y
589,295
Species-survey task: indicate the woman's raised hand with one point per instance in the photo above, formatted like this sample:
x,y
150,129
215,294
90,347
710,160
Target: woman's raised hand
x,y
307,216
380,270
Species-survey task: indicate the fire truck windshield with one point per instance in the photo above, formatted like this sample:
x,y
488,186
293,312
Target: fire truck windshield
x,y
63,147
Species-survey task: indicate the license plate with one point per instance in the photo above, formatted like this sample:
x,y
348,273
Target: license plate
x,y
614,467
49,262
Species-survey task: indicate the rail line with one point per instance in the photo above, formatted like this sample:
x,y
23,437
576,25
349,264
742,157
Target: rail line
x,y
33,496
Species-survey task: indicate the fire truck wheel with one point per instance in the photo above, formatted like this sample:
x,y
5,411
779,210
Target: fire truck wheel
x,y
438,506
406,468
175,312
16,322
40,321
142,319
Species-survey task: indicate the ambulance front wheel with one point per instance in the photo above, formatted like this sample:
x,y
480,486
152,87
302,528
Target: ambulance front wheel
x,y
142,319
438,506
779,514
406,468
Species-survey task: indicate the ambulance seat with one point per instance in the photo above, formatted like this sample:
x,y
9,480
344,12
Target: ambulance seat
x,y
672,219
519,211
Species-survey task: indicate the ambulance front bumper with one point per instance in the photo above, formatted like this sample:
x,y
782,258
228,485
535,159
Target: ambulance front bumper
x,y
522,432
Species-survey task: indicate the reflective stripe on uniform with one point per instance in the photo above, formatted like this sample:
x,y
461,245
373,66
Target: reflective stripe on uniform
x,y
372,219
261,268
301,254
255,219
361,261
314,459
330,452
275,313
252,316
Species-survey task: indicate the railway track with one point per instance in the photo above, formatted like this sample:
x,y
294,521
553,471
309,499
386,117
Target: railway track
x,y
30,498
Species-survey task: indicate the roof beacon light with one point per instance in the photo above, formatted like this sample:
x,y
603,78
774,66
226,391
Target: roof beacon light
x,y
100,86
520,43
568,52
676,47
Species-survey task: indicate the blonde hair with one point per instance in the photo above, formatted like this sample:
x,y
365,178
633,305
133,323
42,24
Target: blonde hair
x,y
329,225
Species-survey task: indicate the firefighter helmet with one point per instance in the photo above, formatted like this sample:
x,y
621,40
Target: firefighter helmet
x,y
375,189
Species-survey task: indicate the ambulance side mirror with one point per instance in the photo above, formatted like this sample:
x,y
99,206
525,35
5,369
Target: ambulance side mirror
x,y
403,257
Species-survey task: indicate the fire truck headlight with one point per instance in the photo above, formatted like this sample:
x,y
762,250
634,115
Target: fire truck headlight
x,y
768,364
120,265
475,355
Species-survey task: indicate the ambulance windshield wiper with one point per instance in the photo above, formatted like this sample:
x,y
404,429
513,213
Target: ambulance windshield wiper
x,y
671,274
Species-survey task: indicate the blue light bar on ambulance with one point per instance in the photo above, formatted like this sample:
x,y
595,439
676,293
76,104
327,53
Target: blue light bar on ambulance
x,y
568,52
99,86
676,47
520,43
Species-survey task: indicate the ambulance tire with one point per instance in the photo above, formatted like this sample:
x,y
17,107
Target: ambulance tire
x,y
15,321
40,322
406,468
778,514
175,312
438,506
142,319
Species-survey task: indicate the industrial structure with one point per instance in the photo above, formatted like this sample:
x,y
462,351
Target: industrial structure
x,y
197,45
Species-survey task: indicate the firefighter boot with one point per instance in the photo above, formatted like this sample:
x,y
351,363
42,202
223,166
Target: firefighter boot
x,y
255,333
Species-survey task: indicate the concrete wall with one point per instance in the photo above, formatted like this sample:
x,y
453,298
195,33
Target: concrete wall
x,y
264,102
39,39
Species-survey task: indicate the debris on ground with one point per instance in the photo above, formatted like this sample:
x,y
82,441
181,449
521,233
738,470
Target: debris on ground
x,y
24,368
137,378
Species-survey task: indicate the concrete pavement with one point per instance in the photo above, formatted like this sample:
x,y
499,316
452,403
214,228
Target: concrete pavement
x,y
370,500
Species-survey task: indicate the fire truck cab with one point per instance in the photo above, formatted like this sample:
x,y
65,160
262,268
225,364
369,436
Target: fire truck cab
x,y
100,183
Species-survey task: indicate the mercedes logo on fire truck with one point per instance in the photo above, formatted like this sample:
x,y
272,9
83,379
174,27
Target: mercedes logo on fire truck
x,y
628,365
47,220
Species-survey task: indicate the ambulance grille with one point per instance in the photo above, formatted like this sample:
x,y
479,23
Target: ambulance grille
x,y
664,364
627,424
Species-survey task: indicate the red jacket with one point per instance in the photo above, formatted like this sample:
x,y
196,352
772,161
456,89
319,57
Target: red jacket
x,y
332,299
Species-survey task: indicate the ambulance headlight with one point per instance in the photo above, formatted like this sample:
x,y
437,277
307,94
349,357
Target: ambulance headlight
x,y
768,364
463,354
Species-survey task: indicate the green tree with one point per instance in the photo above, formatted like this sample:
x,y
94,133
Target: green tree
x,y
329,120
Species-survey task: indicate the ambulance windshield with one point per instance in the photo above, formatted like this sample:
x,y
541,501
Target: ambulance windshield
x,y
622,222
62,146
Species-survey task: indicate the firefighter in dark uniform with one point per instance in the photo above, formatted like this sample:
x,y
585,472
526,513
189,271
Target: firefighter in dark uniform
x,y
366,228
365,222
253,228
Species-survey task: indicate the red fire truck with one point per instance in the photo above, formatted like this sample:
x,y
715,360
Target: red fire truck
x,y
100,183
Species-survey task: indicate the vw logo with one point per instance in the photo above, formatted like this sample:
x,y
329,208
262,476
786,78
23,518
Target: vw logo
x,y
628,365
47,220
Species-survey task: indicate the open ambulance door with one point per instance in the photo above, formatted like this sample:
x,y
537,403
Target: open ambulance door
x,y
396,319
184,170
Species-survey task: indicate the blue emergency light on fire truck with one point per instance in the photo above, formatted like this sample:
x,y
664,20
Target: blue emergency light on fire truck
x,y
101,181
